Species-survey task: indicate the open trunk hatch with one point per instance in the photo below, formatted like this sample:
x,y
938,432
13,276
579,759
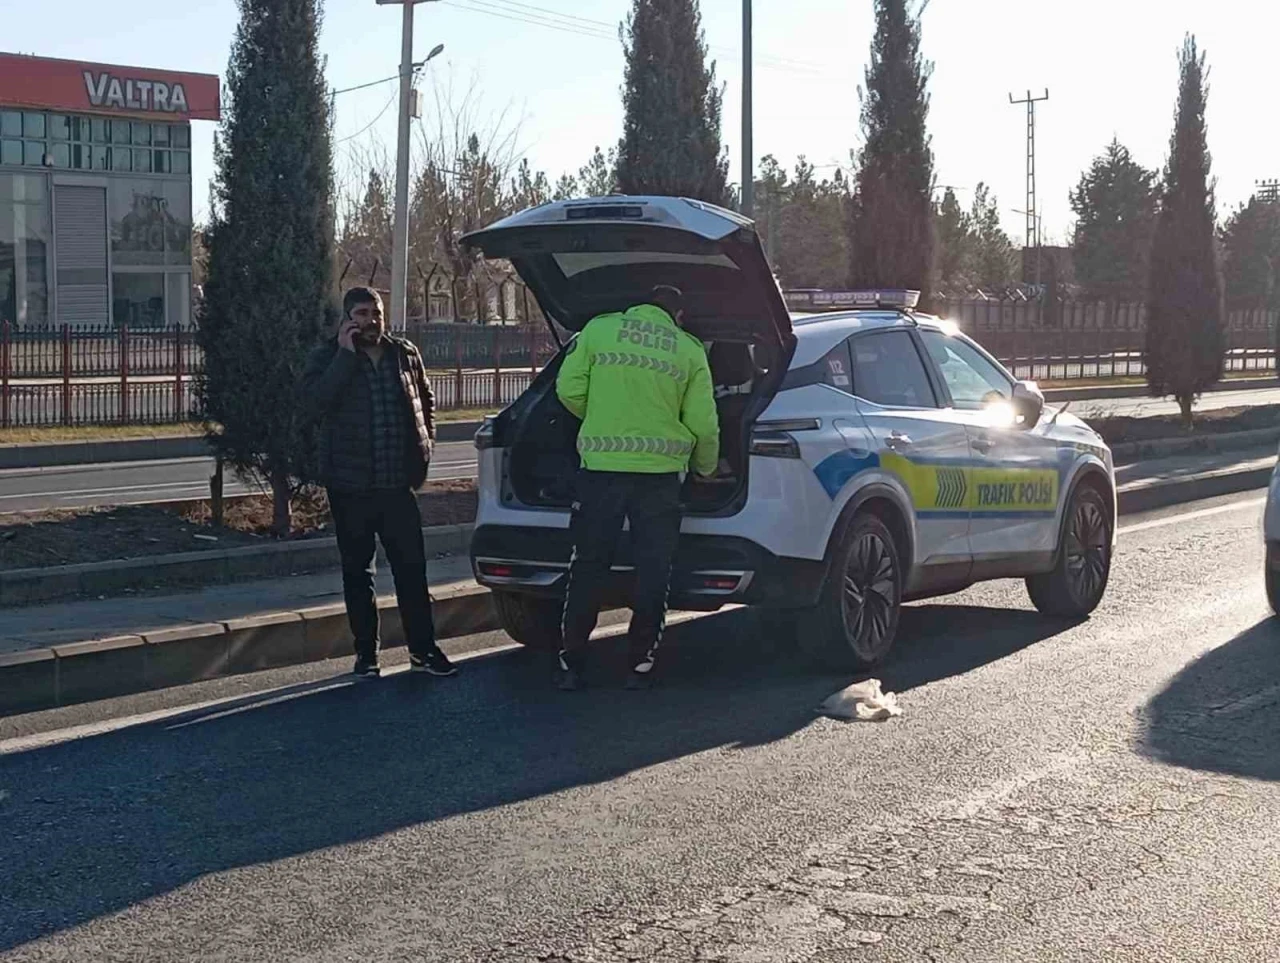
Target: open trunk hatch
x,y
584,258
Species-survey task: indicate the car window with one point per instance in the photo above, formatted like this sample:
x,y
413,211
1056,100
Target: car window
x,y
887,370
835,368
974,382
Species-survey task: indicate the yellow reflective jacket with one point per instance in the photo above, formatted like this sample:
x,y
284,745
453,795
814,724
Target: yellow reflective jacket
x,y
642,388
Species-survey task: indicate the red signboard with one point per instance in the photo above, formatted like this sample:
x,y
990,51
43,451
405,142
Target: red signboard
x,y
44,83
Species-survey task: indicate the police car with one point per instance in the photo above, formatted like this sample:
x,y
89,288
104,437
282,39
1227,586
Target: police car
x,y
870,456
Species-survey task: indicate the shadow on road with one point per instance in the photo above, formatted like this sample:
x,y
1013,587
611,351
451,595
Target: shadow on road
x,y
97,825
1221,713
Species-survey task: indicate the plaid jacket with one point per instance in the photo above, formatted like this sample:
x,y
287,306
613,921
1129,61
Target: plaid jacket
x,y
337,394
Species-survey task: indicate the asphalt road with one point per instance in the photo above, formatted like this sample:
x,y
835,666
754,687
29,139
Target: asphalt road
x,y
1105,790
130,483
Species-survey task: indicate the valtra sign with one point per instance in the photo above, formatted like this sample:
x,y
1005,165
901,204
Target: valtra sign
x,y
108,91
47,84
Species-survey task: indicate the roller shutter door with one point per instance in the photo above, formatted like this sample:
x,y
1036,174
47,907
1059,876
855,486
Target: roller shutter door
x,y
80,252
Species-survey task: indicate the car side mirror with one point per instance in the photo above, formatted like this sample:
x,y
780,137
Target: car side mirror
x,y
1028,404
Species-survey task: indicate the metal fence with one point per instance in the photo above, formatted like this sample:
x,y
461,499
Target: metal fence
x,y
1070,341
98,352
117,376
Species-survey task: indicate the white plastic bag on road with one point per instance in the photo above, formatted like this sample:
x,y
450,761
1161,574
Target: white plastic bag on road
x,y
862,702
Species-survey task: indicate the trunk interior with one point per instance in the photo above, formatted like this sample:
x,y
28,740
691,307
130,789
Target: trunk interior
x,y
540,435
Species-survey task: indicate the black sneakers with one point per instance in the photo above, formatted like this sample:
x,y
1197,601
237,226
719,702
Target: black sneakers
x,y
434,663
366,670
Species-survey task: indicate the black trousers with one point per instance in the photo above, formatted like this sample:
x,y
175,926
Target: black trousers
x,y
393,516
604,501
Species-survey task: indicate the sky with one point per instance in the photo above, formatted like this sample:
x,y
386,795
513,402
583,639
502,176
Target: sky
x,y
549,71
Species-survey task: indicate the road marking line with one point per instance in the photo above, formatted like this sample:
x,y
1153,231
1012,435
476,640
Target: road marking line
x,y
1191,516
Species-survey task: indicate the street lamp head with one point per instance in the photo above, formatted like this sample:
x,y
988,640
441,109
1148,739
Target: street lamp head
x,y
435,52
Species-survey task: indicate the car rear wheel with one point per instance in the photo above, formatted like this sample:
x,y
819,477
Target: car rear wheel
x,y
529,620
1079,577
856,620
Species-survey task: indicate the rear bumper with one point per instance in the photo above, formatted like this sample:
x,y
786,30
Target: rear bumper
x,y
709,571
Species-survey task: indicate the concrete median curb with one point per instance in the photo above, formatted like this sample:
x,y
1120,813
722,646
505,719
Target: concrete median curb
x,y
62,453
1207,443
29,586
127,664
1148,494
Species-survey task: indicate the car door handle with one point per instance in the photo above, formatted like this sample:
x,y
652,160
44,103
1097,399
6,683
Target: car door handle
x,y
981,444
898,440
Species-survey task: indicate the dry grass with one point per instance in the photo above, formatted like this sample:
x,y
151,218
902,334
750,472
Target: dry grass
x,y
36,436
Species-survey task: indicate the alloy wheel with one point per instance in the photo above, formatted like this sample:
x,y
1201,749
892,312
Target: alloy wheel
x,y
870,595
1087,550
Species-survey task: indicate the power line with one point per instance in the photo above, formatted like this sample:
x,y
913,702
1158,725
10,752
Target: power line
x,y
368,126
585,27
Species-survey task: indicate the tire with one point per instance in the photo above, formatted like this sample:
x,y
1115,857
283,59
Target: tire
x,y
1079,577
855,621
529,620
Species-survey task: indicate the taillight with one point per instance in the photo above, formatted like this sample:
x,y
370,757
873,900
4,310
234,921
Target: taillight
x,y
773,444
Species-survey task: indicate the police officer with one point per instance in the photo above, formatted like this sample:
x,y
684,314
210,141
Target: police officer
x,y
643,389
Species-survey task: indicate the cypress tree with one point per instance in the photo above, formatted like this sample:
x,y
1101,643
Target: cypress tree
x,y
268,294
671,131
891,224
1185,342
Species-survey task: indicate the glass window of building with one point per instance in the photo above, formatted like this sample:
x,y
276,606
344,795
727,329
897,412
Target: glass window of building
x,y
160,162
142,161
10,123
101,130
24,243
178,298
137,300
59,126
138,213
33,124
11,152
142,134
81,129
101,157
160,135
177,220
82,157
61,154
181,135
121,159
33,153
181,162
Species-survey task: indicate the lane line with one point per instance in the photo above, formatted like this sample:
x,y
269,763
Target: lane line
x,y
271,696
1191,516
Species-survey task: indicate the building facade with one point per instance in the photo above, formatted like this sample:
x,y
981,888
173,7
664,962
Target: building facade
x,y
95,192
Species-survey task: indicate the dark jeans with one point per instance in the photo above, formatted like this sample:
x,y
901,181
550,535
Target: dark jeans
x,y
393,516
604,500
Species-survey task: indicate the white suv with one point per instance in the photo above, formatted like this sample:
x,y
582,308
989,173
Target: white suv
x,y
874,456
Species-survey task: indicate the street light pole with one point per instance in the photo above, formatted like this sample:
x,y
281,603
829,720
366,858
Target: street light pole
x,y
400,227
748,165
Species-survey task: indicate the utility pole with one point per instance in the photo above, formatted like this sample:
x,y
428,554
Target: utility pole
x,y
400,227
748,165
1033,228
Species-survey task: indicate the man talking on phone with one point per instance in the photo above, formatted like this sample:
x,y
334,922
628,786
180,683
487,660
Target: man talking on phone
x,y
370,393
